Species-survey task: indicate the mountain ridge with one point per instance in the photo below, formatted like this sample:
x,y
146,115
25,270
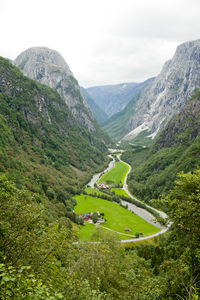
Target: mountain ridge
x,y
171,89
113,98
48,67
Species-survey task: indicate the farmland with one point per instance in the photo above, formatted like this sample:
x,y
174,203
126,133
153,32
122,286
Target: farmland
x,y
118,218
116,175
120,192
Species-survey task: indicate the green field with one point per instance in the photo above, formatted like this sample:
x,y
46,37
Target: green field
x,y
89,190
116,175
120,192
118,218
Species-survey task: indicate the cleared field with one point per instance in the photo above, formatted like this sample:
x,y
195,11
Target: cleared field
x,y
118,218
120,192
94,191
116,175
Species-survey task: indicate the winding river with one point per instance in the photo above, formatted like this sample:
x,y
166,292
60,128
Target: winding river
x,y
144,214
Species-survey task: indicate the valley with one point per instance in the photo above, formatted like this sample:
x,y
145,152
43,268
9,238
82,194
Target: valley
x,y
137,221
80,219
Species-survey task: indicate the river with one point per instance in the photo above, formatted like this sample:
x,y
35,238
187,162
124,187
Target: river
x,y
144,214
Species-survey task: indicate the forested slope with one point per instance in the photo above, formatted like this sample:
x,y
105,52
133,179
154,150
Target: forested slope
x,y
41,144
176,149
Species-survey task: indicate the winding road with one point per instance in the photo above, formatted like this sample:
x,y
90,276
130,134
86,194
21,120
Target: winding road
x,y
137,210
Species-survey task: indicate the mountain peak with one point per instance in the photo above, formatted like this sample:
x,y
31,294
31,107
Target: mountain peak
x,y
42,54
48,67
172,88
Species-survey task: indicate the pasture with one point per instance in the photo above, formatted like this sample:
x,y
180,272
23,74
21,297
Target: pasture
x,y
117,218
120,192
116,175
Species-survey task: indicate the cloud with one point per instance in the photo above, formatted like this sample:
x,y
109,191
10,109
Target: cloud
x,y
103,42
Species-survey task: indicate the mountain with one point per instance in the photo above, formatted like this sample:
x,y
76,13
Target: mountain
x,y
113,98
98,113
48,67
176,149
172,88
42,146
115,126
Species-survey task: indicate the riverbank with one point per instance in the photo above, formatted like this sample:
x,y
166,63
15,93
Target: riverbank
x,y
141,212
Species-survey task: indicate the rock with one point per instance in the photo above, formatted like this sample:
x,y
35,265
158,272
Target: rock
x,y
172,88
48,67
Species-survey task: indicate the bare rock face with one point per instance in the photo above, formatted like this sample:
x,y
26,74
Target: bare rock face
x,y
172,88
49,67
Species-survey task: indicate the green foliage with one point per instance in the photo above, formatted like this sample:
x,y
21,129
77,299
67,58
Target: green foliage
x,y
117,217
155,171
116,175
115,125
21,284
41,145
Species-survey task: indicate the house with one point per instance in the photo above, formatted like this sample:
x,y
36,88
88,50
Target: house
x,y
85,216
103,185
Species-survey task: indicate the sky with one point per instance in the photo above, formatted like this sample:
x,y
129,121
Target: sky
x,y
103,41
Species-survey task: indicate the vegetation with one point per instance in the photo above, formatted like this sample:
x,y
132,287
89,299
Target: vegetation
x,y
41,143
42,165
116,175
176,149
119,192
40,260
115,125
117,217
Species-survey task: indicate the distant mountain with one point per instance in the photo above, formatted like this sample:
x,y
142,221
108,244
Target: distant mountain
x,y
98,113
48,67
115,126
113,98
176,149
172,88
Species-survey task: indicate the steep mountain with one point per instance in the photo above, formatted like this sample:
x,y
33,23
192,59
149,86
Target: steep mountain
x,y
115,126
171,89
176,149
113,98
98,113
42,146
48,67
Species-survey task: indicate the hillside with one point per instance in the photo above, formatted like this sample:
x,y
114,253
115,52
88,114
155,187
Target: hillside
x,y
113,98
176,149
48,67
98,113
41,143
115,125
163,98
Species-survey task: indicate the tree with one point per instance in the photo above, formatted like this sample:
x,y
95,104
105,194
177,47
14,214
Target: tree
x,y
95,217
183,244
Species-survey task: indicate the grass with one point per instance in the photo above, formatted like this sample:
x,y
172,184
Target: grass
x,y
120,192
95,191
118,218
116,175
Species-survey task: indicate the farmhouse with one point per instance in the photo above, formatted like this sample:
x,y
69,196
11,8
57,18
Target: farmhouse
x,y
103,185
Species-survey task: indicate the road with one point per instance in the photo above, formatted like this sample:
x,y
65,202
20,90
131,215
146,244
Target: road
x,y
142,212
137,210
96,176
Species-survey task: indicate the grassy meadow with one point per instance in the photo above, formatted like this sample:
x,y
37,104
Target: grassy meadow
x,y
120,192
118,218
95,192
116,175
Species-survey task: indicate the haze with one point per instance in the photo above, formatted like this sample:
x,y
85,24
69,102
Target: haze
x,y
103,42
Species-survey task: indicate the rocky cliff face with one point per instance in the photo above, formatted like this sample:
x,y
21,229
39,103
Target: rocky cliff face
x,y
182,128
49,67
172,88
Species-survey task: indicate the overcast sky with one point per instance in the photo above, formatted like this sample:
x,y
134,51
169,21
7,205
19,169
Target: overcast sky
x,y
103,41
